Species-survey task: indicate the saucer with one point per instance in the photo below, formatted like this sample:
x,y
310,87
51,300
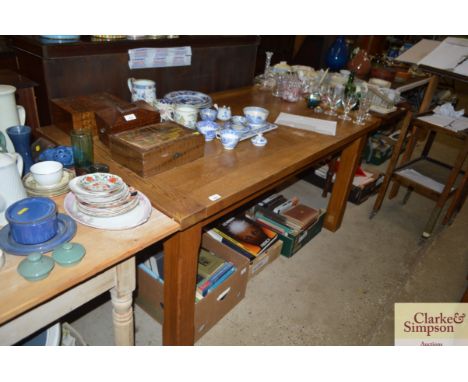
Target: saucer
x,y
66,231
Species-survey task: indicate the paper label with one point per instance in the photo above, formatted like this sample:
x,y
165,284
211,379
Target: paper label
x,y
214,197
130,117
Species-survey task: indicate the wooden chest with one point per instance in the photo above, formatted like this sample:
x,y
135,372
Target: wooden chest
x,y
72,113
115,120
156,148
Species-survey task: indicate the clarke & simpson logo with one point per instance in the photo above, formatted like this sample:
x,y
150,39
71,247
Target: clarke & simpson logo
x,y
433,324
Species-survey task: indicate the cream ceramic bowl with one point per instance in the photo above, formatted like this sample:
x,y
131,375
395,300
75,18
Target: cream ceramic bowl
x,y
47,173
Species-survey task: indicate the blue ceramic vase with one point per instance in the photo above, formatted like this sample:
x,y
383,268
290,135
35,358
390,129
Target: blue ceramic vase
x,y
20,137
337,56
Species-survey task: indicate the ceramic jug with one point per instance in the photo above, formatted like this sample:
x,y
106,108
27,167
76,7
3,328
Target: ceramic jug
x,y
11,167
142,90
10,113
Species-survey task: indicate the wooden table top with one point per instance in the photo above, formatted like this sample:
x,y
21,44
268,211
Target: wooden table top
x,y
104,249
183,192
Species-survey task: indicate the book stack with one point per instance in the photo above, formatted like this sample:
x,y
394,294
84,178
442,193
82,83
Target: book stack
x,y
212,271
244,235
285,216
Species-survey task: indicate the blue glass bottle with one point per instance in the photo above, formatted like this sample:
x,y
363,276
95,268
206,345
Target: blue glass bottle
x,y
337,56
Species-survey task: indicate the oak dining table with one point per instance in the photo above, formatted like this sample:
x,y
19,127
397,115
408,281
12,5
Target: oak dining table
x,y
197,193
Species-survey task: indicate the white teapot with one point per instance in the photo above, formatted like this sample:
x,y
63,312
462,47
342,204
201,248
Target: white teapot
x,y
11,189
10,113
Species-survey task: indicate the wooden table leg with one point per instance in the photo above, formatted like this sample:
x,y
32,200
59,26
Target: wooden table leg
x,y
122,303
180,268
349,161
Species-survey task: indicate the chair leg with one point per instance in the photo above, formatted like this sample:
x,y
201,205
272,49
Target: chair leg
x,y
409,191
431,222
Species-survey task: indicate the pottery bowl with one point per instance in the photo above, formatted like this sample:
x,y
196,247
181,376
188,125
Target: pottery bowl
x,y
208,114
208,129
255,114
47,173
32,220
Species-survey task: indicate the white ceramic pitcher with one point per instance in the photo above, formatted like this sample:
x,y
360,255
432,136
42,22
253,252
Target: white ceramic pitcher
x,y
11,186
142,89
10,113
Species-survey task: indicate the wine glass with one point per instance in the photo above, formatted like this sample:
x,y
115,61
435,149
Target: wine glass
x,y
323,92
334,97
364,106
349,101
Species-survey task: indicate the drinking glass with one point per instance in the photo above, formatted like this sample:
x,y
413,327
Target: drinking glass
x,y
83,154
364,106
323,92
334,97
348,101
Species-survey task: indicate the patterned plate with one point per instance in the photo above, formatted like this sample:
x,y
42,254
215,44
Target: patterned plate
x,y
189,97
100,182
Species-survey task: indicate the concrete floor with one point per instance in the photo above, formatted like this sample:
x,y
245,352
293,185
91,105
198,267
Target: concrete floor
x,y
339,289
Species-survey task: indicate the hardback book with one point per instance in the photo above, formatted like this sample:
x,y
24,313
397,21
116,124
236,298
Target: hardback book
x,y
246,234
208,263
302,215
215,234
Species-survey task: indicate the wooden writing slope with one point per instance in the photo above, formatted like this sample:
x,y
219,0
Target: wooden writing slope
x,y
197,193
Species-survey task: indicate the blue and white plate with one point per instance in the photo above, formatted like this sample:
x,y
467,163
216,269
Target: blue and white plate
x,y
66,231
189,97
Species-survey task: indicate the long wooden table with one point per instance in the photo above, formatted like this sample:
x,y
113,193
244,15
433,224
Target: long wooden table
x,y
237,176
108,265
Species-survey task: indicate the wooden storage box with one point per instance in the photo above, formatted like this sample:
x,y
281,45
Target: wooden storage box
x,y
211,308
72,113
115,120
156,148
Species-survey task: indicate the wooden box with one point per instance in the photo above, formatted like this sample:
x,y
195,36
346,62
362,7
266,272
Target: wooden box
x,y
155,148
115,120
72,113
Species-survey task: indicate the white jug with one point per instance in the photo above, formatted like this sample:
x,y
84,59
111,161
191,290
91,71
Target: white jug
x,y
10,113
142,90
11,186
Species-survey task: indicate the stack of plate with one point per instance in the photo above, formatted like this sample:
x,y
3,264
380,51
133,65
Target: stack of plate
x,y
35,189
189,97
103,200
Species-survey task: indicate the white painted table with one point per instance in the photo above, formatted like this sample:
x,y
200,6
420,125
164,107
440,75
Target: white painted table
x,y
109,265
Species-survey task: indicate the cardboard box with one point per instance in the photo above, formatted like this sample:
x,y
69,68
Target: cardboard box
x,y
358,194
156,148
257,265
210,309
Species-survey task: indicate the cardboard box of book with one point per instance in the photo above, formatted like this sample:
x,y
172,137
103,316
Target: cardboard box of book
x,y
295,240
363,186
243,235
295,223
215,303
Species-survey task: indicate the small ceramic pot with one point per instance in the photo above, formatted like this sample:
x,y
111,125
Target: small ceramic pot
x,y
142,89
208,114
208,129
255,114
224,113
229,138
32,220
259,140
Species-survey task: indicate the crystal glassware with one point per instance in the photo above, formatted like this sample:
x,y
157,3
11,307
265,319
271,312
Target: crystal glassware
x,y
348,101
363,110
334,97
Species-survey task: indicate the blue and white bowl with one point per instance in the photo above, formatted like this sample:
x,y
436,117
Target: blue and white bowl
x,y
229,138
208,114
255,114
208,129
